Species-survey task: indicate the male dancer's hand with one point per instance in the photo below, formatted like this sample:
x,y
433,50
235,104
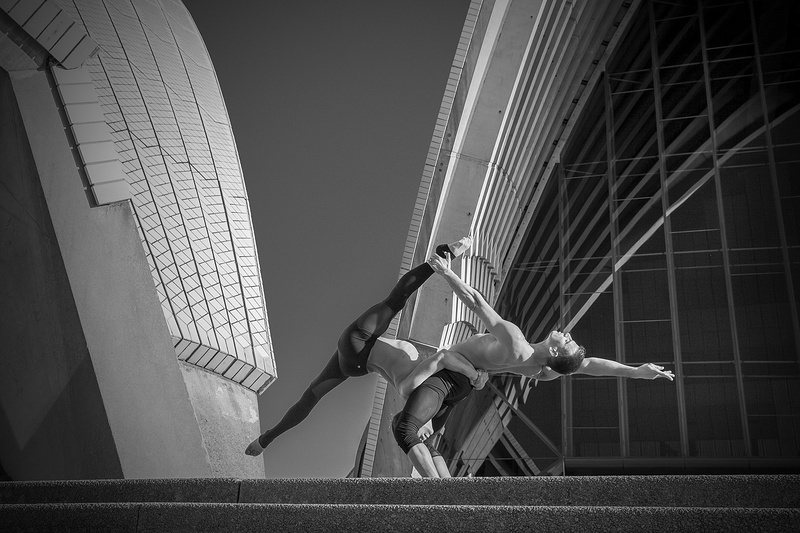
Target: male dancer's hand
x,y
651,371
479,382
439,264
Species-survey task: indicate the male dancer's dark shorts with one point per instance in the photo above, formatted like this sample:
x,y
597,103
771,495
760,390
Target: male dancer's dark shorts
x,y
433,400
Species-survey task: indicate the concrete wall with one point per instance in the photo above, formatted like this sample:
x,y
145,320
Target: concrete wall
x,y
52,421
455,188
500,52
227,415
144,421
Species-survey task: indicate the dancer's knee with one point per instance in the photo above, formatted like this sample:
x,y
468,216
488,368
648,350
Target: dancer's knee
x,y
432,449
405,428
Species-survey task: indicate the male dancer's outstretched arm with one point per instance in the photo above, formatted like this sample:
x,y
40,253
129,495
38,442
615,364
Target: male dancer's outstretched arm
x,y
549,359
504,350
601,367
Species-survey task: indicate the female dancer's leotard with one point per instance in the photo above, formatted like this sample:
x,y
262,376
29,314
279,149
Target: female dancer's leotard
x,y
354,347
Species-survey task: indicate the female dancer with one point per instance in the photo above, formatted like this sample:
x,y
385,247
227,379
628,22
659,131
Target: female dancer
x,y
361,351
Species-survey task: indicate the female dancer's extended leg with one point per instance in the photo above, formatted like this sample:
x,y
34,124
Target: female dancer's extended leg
x,y
330,377
354,347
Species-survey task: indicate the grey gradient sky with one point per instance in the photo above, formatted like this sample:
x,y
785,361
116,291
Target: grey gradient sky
x,y
333,104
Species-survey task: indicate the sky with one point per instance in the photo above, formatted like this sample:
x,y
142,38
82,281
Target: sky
x,y
333,105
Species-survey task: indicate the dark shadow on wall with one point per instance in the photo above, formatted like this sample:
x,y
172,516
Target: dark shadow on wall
x,y
71,440
53,423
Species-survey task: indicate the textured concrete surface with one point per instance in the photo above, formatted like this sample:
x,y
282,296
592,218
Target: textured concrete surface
x,y
636,503
638,491
231,518
227,415
659,491
114,490
118,517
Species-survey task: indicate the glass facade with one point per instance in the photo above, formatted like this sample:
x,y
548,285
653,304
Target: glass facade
x,y
669,234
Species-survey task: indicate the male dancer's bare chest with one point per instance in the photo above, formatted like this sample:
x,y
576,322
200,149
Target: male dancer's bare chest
x,y
484,351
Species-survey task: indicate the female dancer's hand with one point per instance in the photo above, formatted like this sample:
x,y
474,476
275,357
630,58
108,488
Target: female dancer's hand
x,y
425,431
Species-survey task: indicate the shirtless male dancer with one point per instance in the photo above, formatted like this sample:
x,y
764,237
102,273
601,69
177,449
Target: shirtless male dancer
x,y
504,349
361,351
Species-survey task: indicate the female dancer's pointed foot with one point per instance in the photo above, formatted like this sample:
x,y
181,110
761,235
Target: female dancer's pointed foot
x,y
455,249
254,448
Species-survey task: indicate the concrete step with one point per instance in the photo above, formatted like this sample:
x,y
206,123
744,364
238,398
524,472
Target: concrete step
x,y
212,490
233,518
746,491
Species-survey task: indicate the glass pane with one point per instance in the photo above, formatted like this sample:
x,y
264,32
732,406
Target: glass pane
x,y
645,296
648,342
645,292
594,402
749,207
778,25
695,222
595,417
596,443
763,318
705,325
773,405
545,412
713,419
677,33
728,33
653,419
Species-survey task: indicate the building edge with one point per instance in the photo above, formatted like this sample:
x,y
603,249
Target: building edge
x,y
376,455
110,399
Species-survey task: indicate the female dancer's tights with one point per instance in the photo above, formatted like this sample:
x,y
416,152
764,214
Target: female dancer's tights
x,y
357,338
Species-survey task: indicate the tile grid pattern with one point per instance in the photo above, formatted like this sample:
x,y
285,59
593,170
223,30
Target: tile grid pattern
x,y
53,28
163,105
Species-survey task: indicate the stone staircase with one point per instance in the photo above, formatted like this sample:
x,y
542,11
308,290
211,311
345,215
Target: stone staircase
x,y
619,503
